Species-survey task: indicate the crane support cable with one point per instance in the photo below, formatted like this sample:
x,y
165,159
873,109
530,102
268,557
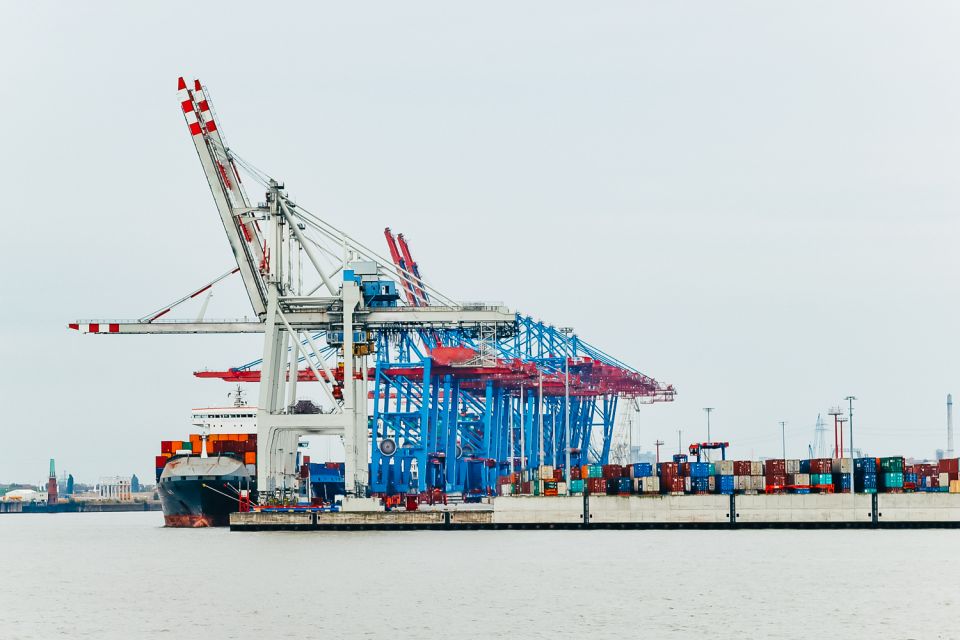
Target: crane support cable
x,y
150,317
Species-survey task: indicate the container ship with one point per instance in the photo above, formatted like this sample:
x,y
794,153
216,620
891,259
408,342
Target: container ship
x,y
213,473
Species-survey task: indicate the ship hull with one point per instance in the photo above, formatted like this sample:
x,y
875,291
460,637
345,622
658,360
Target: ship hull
x,y
201,492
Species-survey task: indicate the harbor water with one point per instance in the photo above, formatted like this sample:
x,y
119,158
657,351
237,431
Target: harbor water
x,y
122,575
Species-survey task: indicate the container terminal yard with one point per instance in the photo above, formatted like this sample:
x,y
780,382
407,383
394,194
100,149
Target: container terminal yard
x,y
452,414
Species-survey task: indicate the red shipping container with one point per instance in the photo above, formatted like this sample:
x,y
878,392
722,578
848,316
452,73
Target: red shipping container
x,y
821,465
612,471
596,485
683,469
776,481
668,468
741,467
950,466
673,484
161,461
775,467
558,474
575,473
166,446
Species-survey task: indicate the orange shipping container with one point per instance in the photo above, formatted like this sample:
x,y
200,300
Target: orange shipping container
x,y
243,437
250,457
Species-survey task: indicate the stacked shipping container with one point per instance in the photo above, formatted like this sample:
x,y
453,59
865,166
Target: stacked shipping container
x,y
820,475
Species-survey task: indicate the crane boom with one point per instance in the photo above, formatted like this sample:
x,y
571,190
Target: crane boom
x,y
227,194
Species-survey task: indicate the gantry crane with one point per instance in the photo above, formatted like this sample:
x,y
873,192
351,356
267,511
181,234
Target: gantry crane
x,y
330,311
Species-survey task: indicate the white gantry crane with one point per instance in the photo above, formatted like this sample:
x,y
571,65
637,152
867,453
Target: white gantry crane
x,y
294,300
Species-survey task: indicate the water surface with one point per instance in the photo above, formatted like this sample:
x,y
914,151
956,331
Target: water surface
x,y
122,575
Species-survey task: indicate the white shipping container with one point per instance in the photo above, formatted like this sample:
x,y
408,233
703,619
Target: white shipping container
x,y
944,479
546,472
798,478
793,466
724,467
506,489
712,483
686,484
742,483
650,484
842,465
561,488
756,468
759,483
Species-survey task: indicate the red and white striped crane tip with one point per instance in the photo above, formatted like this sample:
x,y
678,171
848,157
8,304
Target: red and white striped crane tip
x,y
206,118
95,327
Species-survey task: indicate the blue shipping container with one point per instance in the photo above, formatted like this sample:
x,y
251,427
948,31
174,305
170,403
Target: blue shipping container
x,y
865,481
625,485
642,470
804,466
724,484
700,469
865,465
699,483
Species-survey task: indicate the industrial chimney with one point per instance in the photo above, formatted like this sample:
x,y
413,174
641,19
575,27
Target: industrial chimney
x,y
949,452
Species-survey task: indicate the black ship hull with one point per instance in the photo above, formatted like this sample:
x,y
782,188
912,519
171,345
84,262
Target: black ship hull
x,y
202,492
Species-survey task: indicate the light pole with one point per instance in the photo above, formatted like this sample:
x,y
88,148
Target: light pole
x,y
706,453
566,407
657,445
783,435
850,400
679,442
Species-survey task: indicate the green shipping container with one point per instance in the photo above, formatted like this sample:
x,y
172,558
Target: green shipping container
x,y
821,478
576,486
892,480
891,465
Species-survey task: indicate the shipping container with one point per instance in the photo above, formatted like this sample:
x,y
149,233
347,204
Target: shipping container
x,y
699,469
841,465
742,467
725,484
775,468
624,486
641,470
865,465
576,486
792,466
798,479
699,484
612,471
596,485
723,468
821,479
865,482
891,465
756,468
891,480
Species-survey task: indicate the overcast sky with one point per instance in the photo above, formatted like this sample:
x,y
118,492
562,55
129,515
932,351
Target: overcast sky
x,y
754,201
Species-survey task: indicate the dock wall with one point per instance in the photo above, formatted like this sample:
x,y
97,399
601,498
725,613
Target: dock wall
x,y
859,511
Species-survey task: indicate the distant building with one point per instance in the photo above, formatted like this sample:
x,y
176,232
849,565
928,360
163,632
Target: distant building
x,y
637,454
115,488
939,454
135,484
70,485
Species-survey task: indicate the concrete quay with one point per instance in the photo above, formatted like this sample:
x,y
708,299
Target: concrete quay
x,y
788,511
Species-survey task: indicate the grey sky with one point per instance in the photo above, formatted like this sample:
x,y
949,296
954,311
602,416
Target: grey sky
x,y
754,201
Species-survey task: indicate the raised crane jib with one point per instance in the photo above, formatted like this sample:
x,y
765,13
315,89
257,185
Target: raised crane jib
x,y
242,232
